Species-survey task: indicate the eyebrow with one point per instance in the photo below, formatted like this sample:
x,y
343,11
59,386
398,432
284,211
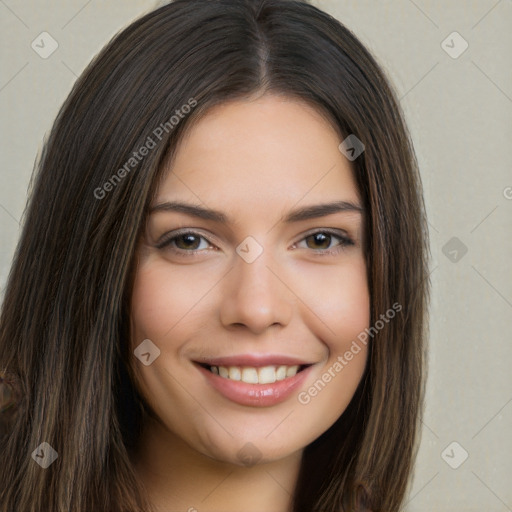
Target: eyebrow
x,y
300,214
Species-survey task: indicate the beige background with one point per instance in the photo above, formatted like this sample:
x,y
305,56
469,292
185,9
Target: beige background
x,y
460,114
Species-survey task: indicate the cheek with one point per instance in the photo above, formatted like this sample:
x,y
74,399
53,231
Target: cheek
x,y
348,315
162,300
339,298
162,310
341,304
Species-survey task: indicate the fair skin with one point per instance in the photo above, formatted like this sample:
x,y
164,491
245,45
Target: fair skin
x,y
215,446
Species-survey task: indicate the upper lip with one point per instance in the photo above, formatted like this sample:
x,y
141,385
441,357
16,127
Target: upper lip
x,y
254,360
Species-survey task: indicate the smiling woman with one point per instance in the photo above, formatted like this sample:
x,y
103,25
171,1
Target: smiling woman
x,y
254,332
214,332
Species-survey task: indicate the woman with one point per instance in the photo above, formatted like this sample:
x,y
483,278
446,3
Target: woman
x,y
163,343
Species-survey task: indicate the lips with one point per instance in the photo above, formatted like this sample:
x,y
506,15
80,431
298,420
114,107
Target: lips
x,y
254,380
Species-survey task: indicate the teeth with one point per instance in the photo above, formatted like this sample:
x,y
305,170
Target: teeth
x,y
267,375
252,375
291,371
234,373
281,373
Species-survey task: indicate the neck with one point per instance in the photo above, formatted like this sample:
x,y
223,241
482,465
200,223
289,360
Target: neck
x,y
177,477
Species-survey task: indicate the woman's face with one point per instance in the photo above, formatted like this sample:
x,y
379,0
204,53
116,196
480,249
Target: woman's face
x,y
250,291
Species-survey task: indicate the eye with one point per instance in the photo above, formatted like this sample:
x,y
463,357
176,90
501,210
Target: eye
x,y
190,242
323,239
184,242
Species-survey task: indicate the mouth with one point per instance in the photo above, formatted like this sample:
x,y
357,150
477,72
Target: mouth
x,y
254,374
255,380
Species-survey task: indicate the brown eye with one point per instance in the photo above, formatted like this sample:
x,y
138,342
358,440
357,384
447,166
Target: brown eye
x,y
187,241
321,240
326,242
184,242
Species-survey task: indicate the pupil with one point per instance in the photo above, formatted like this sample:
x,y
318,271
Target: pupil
x,y
322,239
188,240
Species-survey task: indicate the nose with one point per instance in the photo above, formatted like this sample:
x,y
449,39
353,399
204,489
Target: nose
x,y
255,296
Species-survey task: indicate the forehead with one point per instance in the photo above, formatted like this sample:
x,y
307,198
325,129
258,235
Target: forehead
x,y
259,153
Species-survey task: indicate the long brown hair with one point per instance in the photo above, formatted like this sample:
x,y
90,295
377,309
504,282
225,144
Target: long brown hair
x,y
64,322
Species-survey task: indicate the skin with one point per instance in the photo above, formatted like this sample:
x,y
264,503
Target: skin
x,y
255,160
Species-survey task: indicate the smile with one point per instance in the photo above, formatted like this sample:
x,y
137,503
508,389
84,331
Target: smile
x,y
255,381
254,375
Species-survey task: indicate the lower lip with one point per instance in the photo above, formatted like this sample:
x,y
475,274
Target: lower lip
x,y
255,395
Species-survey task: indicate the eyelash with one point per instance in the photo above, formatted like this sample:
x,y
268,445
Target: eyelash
x,y
168,239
